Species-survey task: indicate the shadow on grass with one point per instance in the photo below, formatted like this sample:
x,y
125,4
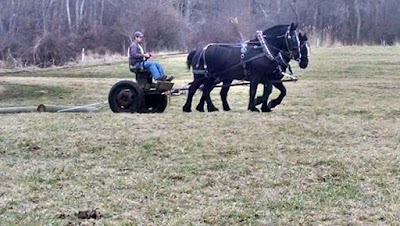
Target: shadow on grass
x,y
106,70
12,93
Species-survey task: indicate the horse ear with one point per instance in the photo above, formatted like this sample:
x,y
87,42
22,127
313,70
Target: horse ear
x,y
293,26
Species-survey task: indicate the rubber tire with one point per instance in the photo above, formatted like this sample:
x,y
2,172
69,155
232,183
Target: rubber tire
x,y
154,103
132,90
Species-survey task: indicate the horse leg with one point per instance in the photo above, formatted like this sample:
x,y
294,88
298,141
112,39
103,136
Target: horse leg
x,y
264,97
208,87
200,106
192,90
252,95
224,95
279,99
267,91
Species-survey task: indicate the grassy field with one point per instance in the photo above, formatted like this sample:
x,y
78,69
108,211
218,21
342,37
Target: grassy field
x,y
329,155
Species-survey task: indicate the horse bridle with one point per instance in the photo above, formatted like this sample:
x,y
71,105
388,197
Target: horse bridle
x,y
289,52
308,48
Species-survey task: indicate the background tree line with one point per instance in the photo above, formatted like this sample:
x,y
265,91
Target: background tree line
x,y
53,32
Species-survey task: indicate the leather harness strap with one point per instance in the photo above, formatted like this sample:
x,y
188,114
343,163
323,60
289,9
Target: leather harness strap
x,y
266,53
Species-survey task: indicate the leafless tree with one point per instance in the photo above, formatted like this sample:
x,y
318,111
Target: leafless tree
x,y
45,32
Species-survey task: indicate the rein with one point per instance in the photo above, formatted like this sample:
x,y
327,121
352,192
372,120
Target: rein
x,y
241,63
266,52
226,70
286,36
287,53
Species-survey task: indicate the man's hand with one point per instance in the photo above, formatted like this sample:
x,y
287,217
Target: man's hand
x,y
147,55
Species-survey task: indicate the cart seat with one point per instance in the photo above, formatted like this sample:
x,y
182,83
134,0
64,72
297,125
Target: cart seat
x,y
143,76
145,80
138,68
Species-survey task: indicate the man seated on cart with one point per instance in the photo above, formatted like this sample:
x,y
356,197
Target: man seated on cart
x,y
138,58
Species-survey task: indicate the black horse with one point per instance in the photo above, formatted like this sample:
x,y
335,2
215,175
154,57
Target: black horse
x,y
303,63
284,63
227,62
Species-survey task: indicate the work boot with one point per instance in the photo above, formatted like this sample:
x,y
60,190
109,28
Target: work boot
x,y
168,78
165,78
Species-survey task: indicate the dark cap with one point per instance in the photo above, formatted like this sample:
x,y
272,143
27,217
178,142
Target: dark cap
x,y
138,34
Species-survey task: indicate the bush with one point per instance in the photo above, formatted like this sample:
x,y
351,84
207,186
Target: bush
x,y
53,50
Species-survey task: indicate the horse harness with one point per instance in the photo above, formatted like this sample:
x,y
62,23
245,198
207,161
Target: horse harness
x,y
244,49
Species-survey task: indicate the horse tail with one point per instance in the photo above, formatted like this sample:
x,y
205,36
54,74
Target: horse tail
x,y
190,58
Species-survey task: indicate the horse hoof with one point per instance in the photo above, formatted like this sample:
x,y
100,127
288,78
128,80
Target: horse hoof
x,y
199,109
254,110
267,109
259,100
212,109
226,107
272,104
184,109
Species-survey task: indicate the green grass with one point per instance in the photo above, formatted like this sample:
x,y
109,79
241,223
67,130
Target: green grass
x,y
19,93
109,70
328,155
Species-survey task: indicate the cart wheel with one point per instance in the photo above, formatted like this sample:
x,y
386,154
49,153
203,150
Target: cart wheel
x,y
125,96
154,103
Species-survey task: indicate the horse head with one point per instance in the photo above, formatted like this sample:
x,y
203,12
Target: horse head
x,y
305,51
286,39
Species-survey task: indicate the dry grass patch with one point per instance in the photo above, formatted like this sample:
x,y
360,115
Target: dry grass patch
x,y
327,155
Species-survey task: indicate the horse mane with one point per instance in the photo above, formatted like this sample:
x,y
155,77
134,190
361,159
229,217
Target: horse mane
x,y
276,27
271,31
